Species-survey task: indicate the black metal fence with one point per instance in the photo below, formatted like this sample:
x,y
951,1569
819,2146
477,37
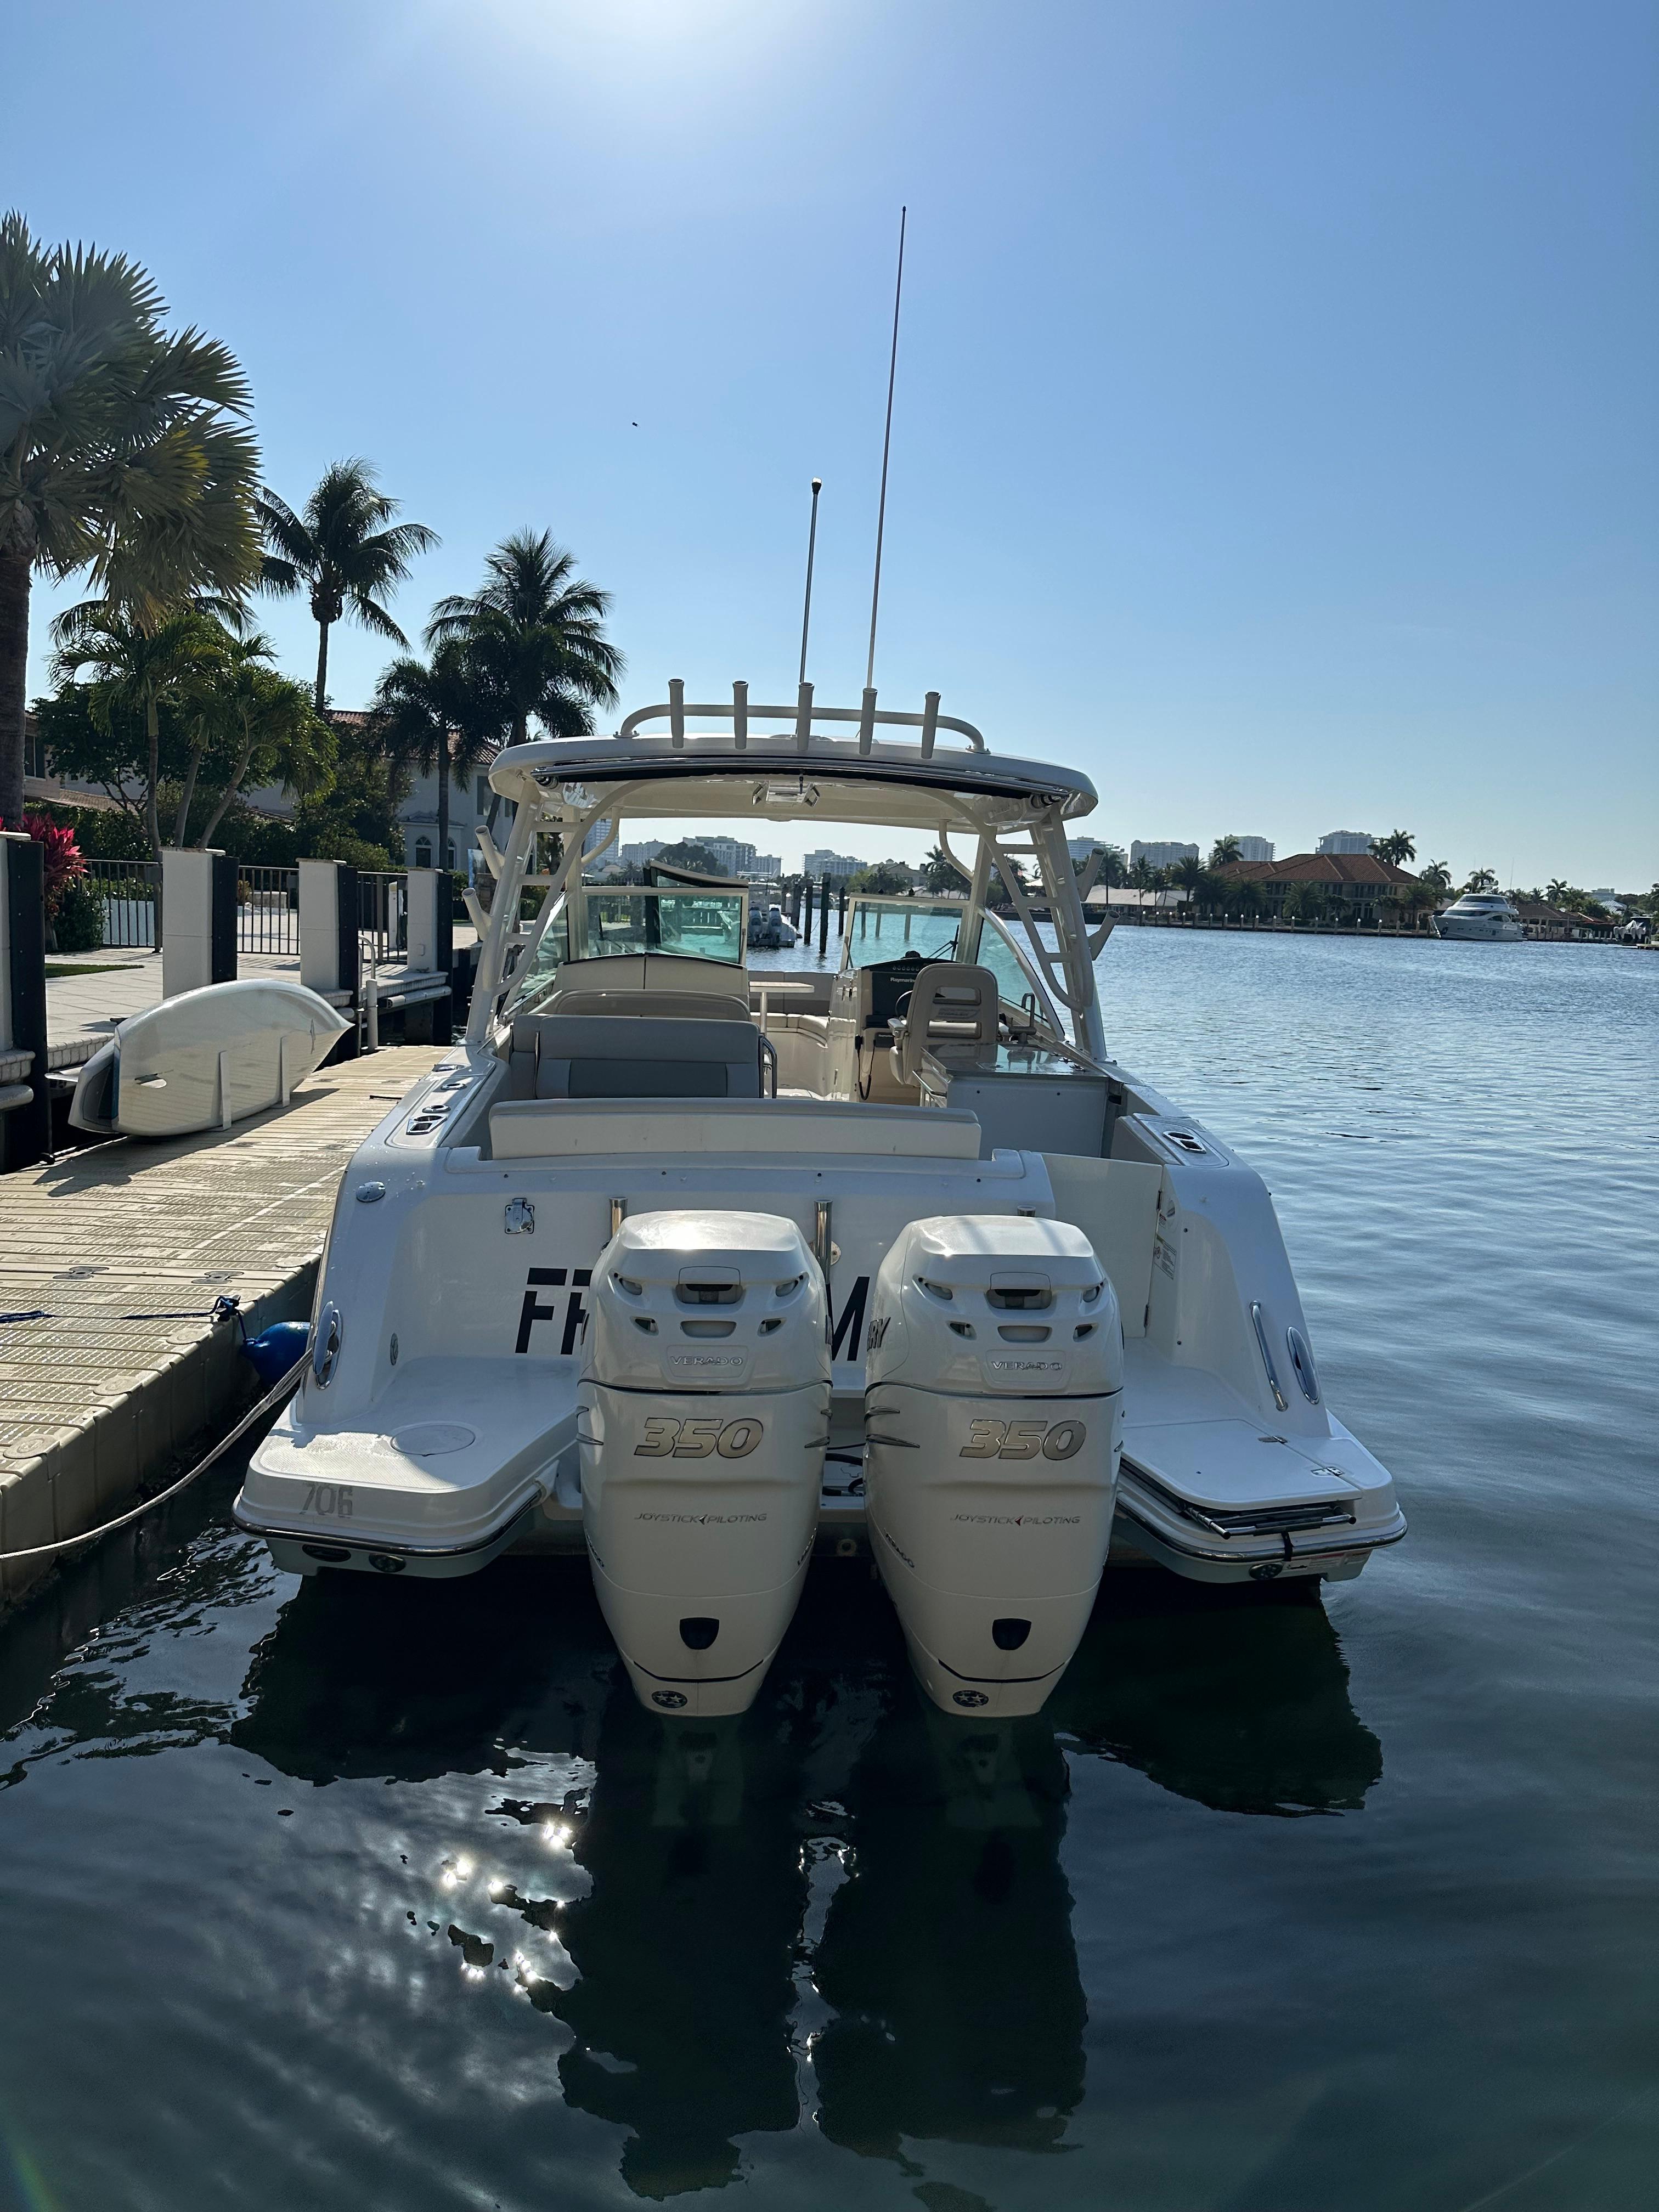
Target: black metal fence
x,y
383,916
130,894
267,909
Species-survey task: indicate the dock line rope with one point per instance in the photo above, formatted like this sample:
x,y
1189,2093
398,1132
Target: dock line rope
x,y
222,1309
272,1399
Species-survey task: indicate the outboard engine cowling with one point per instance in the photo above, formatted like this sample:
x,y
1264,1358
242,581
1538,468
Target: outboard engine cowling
x,y
703,1413
994,1427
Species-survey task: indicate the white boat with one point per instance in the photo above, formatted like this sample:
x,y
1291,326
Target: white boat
x,y
205,1059
771,931
561,1303
1486,917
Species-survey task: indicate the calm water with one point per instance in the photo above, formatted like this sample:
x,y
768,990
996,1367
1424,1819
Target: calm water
x,y
370,1896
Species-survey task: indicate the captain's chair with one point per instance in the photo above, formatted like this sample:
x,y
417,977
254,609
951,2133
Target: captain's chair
x,y
947,1025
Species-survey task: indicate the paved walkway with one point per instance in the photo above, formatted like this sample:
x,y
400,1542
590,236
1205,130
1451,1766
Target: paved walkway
x,y
121,1251
81,1010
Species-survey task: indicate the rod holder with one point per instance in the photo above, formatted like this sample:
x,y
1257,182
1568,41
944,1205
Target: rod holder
x,y
929,724
867,719
740,717
676,713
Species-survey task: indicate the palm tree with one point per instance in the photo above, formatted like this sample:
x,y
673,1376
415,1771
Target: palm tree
x,y
135,669
200,697
122,450
345,550
940,874
431,715
1482,879
1224,850
1437,875
534,637
1396,848
280,734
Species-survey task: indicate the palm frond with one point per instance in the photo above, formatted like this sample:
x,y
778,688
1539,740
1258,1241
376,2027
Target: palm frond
x,y
374,616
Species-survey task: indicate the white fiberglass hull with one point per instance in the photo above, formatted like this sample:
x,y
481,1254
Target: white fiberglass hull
x,y
458,1280
1496,930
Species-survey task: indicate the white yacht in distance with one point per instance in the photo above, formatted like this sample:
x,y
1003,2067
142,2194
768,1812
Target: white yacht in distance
x,y
1485,915
703,1271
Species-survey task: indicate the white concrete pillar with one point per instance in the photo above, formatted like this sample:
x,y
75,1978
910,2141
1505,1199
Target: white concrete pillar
x,y
328,945
431,922
198,920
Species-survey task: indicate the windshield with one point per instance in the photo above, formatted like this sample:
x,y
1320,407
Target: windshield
x,y
887,928
697,924
681,924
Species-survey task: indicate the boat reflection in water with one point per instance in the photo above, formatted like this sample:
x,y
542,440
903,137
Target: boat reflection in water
x,y
1236,1698
842,1898
948,1957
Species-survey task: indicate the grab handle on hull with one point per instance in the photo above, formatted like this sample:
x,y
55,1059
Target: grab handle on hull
x,y
1280,1399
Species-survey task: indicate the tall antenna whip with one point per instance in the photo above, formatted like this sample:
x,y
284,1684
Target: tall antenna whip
x,y
812,546
886,446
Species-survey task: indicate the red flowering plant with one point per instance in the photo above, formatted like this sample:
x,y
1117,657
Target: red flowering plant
x,y
62,861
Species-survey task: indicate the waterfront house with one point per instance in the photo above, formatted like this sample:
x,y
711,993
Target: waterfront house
x,y
1561,925
1352,887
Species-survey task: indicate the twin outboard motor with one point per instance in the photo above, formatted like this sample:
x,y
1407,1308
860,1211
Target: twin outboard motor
x,y
994,1428
703,1413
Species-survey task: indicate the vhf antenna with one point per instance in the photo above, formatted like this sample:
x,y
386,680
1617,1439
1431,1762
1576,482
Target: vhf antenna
x,y
886,446
812,546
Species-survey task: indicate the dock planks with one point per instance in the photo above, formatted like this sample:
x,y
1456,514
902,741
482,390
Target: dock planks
x,y
123,1249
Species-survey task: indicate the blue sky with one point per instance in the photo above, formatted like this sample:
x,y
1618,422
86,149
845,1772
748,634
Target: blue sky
x,y
1276,426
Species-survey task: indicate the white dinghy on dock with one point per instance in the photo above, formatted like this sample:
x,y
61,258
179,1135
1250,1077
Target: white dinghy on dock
x,y
622,1067
206,1059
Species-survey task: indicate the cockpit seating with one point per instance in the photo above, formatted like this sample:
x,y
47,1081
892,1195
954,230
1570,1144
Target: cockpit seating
x,y
615,1056
948,1023
880,989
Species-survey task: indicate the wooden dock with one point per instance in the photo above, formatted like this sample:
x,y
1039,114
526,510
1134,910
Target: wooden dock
x,y
110,1260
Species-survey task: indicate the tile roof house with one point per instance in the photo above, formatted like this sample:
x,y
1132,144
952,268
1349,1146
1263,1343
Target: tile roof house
x,y
1359,871
1543,920
1359,882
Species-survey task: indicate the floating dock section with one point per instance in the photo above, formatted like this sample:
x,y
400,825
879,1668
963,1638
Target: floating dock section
x,y
113,1359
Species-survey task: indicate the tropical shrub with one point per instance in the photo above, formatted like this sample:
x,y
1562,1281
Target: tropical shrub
x,y
78,924
62,862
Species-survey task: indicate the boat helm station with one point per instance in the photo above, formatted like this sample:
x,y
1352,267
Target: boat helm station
x,y
704,1271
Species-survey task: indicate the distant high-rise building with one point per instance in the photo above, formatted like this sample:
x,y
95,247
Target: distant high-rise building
x,y
1254,848
1345,841
1163,855
823,863
736,858
731,855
